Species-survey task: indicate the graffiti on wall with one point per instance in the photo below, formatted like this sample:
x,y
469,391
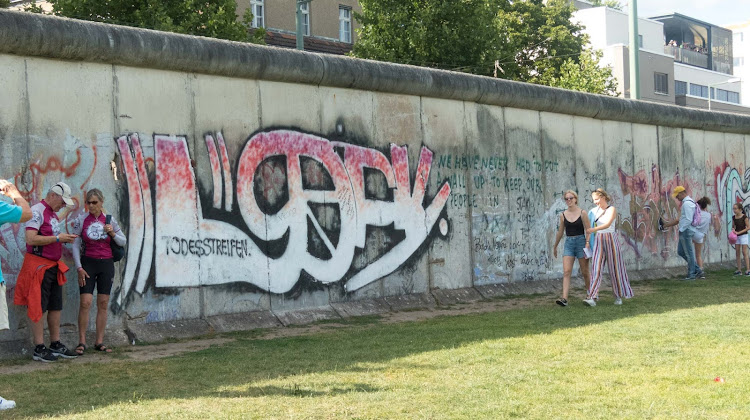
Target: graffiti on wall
x,y
648,196
76,167
306,205
732,186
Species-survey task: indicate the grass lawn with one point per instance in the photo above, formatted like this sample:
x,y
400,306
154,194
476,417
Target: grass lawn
x,y
656,356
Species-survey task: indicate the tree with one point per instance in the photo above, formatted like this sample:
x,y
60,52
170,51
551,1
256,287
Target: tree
x,y
214,19
612,4
585,75
4,4
524,40
434,33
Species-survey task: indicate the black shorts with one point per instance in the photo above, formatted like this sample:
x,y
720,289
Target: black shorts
x,y
52,295
101,273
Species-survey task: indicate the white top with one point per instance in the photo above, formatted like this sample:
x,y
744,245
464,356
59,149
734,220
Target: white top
x,y
705,222
599,214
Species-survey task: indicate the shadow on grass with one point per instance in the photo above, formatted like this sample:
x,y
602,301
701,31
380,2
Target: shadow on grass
x,y
244,367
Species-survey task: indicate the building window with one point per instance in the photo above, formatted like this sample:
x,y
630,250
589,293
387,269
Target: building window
x,y
739,61
256,7
345,24
640,41
305,8
680,87
661,83
739,36
698,90
733,97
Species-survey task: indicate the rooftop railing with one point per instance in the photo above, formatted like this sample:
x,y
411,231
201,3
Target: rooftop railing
x,y
686,56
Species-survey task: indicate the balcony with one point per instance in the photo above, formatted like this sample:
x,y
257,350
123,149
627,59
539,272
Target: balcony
x,y
686,56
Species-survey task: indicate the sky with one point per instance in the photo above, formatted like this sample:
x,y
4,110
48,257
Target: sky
x,y
717,12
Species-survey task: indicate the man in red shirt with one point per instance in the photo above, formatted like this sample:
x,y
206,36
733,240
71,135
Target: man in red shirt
x,y
42,275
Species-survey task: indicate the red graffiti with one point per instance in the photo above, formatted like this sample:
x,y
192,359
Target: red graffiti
x,y
282,179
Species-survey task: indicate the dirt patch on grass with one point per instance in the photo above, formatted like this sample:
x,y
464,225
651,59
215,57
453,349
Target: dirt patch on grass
x,y
144,353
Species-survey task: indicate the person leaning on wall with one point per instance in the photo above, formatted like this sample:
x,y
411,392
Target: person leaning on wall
x,y
18,212
96,269
40,282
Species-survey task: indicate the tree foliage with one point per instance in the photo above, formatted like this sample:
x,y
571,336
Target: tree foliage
x,y
612,4
4,4
585,75
209,18
525,40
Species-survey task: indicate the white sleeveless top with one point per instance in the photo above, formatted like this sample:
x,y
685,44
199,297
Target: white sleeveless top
x,y
599,214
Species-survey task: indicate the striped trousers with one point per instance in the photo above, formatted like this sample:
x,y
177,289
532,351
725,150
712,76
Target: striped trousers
x,y
607,250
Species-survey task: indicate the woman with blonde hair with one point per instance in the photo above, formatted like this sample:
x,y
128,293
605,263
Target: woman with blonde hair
x,y
573,222
96,269
606,250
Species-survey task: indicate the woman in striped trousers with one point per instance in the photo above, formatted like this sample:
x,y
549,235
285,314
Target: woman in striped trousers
x,y
606,250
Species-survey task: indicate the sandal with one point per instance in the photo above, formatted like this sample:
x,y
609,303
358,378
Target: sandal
x,y
562,302
80,349
102,347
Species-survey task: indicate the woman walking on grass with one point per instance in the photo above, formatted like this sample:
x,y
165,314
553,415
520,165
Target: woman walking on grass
x,y
96,268
701,230
740,226
606,250
572,221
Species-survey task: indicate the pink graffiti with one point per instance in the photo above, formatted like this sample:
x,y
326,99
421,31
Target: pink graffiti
x,y
273,248
649,199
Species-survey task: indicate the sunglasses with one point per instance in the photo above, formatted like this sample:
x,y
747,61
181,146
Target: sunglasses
x,y
569,198
92,202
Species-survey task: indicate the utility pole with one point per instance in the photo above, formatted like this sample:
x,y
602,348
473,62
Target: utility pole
x,y
300,31
635,77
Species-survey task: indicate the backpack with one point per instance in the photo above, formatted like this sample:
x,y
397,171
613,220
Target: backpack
x,y
118,252
696,215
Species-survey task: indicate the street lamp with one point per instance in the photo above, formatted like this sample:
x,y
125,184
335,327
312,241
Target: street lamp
x,y
300,31
732,80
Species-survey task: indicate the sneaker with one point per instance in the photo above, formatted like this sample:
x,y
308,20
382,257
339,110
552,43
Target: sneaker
x,y
701,274
689,278
738,273
562,302
58,349
43,354
618,301
748,273
6,404
589,302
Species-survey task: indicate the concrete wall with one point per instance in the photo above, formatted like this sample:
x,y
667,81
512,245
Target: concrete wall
x,y
260,185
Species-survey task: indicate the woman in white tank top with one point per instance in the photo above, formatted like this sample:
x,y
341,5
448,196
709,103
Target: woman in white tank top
x,y
606,250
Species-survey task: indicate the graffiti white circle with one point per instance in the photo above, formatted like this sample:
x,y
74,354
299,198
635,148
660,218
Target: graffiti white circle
x,y
443,225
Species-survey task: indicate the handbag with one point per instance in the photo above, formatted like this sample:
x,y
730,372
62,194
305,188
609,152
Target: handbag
x,y
118,252
732,237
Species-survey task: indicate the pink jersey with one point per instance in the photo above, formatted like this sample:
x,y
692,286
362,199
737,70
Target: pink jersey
x,y
45,221
95,240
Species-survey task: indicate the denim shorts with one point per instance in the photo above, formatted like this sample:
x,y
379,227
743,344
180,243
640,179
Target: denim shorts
x,y
574,246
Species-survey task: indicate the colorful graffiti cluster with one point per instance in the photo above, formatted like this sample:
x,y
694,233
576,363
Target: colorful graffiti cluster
x,y
75,166
306,205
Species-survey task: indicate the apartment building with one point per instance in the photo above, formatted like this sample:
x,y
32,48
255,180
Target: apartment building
x,y
741,51
682,60
329,25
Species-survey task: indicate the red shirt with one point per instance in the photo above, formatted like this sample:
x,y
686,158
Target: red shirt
x,y
45,221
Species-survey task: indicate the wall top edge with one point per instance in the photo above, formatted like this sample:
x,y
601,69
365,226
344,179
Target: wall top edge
x,y
28,34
